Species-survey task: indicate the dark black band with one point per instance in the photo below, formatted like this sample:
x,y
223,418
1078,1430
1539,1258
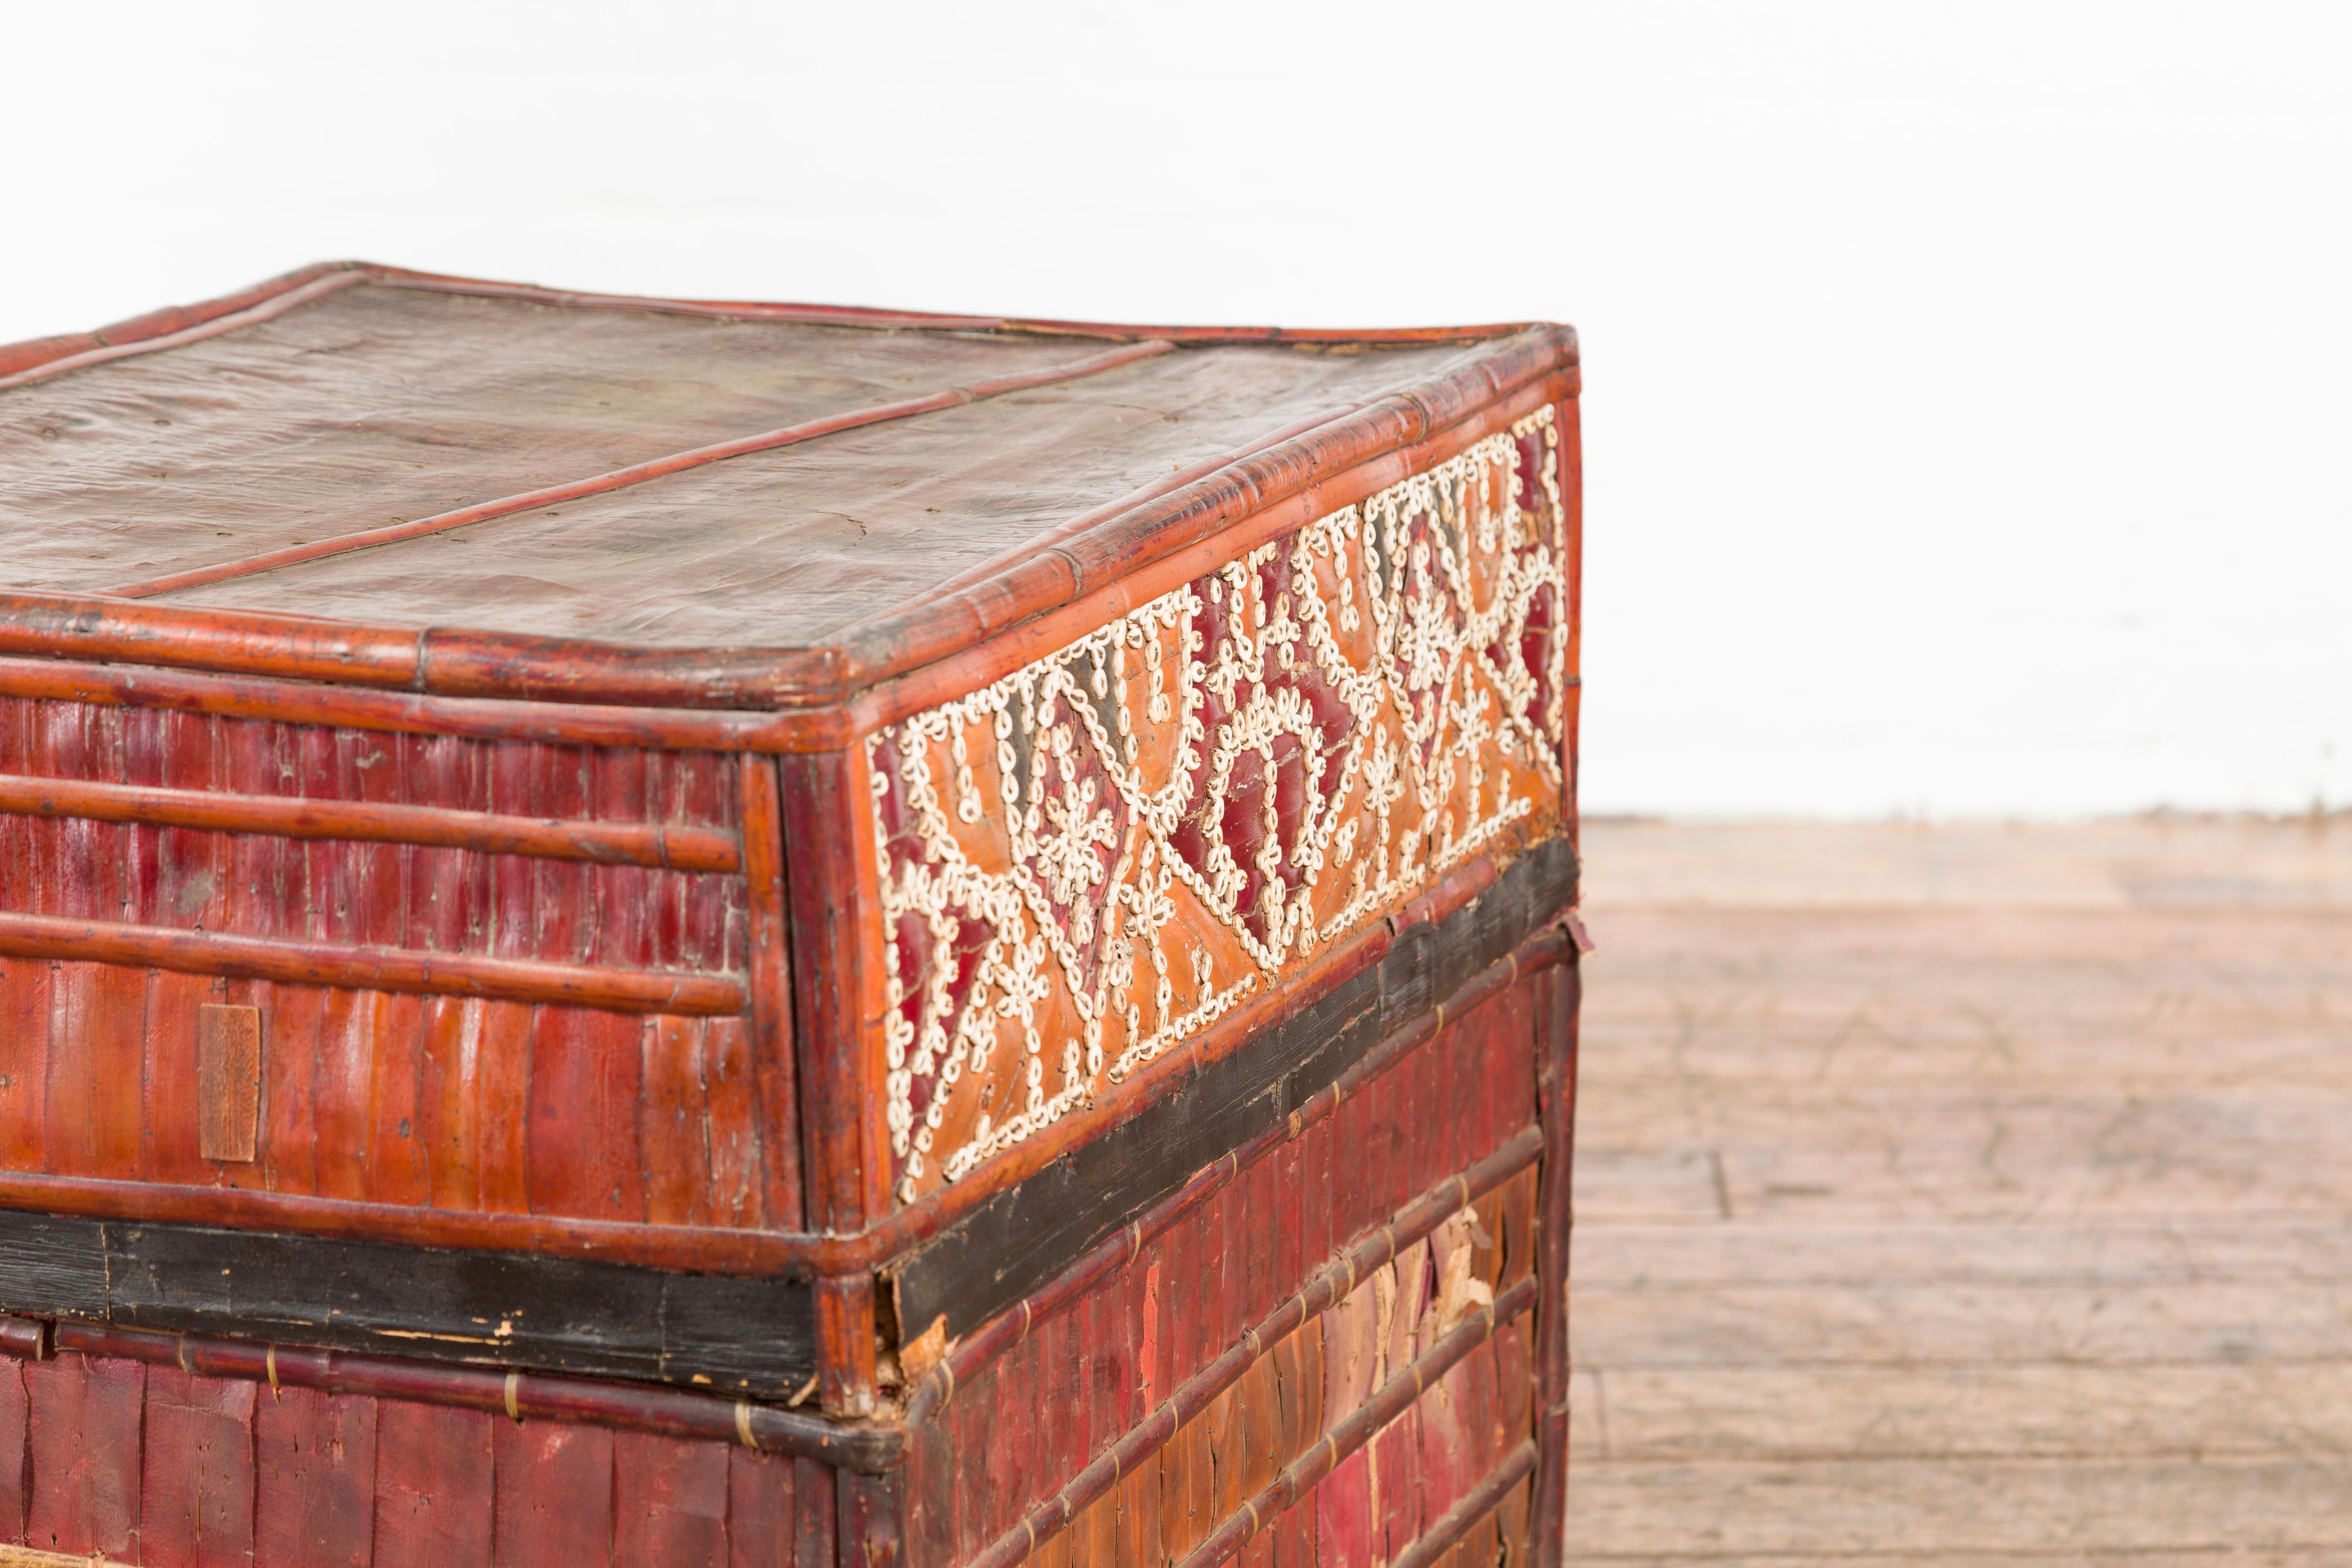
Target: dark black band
x,y
746,1337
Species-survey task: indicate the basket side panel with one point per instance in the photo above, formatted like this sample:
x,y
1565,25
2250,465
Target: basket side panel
x,y
1256,1415
488,975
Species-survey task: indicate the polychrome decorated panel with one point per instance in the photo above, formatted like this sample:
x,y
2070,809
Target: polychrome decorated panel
x,y
1095,856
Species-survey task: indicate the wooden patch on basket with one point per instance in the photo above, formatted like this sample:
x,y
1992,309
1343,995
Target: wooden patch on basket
x,y
228,1082
925,1351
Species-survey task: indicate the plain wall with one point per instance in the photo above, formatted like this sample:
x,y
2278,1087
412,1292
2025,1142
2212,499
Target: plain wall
x,y
1965,387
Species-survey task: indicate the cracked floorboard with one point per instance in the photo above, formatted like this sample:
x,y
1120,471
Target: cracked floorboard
x,y
1971,1195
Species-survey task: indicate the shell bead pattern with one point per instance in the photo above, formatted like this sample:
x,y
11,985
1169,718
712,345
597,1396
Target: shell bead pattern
x,y
1098,855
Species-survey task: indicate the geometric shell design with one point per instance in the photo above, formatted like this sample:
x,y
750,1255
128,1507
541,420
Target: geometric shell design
x,y
1094,858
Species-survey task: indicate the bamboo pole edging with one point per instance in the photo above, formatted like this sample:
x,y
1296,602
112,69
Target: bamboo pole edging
x,y
147,325
868,316
402,970
288,699
274,304
148,330
1560,996
775,1067
1158,489
655,846
869,1448
908,658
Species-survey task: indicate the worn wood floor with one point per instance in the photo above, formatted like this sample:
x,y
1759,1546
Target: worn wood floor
x,y
1976,1195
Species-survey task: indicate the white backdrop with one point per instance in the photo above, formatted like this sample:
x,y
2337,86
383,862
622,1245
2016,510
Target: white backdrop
x,y
1966,387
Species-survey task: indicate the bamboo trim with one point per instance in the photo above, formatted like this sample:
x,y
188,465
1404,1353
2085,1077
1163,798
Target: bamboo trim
x,y
520,1395
636,473
707,309
30,351
846,1384
153,325
971,577
845,1148
862,316
597,843
1035,604
275,305
1496,417
774,1070
64,625
400,970
287,701
1559,997
1468,1510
